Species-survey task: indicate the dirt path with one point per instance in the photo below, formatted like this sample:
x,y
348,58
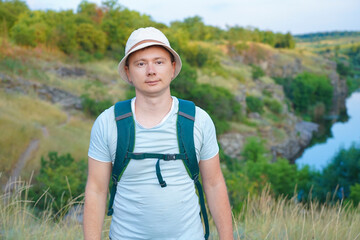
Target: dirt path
x,y
25,156
34,144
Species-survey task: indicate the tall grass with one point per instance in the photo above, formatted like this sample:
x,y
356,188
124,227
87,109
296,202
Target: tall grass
x,y
19,218
262,217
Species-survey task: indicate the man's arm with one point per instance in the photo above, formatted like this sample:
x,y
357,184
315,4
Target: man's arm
x,y
216,196
95,198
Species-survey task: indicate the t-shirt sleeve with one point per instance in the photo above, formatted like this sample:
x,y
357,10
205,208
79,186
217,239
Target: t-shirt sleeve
x,y
209,147
99,146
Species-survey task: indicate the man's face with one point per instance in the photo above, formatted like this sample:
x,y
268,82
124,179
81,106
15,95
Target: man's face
x,y
150,70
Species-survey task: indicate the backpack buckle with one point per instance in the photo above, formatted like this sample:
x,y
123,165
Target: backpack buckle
x,y
196,178
169,157
114,179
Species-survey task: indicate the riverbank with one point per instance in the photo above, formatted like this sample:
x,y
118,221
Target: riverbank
x,y
343,135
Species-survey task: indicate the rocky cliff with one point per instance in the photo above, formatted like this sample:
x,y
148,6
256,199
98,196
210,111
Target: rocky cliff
x,y
296,133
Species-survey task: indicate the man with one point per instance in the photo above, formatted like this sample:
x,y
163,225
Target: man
x,y
143,209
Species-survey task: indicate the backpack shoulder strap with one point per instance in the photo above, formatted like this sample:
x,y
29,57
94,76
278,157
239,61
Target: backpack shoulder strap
x,y
125,143
185,132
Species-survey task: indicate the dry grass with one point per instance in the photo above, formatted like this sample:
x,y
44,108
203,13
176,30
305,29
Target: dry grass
x,y
23,119
262,217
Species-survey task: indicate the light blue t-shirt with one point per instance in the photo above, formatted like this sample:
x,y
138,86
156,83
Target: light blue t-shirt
x,y
142,208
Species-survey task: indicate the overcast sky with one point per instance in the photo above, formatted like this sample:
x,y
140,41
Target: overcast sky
x,y
295,16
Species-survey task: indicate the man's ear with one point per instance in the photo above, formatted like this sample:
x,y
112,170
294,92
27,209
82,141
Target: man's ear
x,y
127,73
173,66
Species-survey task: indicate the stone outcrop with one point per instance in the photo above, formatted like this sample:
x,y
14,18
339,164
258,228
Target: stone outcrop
x,y
296,142
55,95
232,144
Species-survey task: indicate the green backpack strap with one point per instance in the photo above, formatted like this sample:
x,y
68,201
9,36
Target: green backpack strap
x,y
185,132
125,143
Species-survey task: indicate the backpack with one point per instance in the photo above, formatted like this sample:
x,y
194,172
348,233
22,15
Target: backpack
x,y
125,146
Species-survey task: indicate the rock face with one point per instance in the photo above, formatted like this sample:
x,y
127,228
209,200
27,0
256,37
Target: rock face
x,y
69,72
296,133
232,144
55,95
297,141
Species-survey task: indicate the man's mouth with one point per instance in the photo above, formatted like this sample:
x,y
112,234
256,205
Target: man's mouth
x,y
152,82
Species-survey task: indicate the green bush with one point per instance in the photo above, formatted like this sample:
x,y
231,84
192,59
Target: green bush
x,y
273,105
257,72
23,35
93,107
254,150
342,172
355,193
254,104
62,178
308,89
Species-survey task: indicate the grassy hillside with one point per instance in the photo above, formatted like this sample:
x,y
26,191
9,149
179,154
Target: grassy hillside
x,y
25,117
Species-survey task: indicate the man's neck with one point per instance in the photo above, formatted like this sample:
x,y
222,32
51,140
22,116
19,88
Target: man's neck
x,y
149,111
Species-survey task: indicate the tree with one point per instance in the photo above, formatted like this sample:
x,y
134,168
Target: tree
x,y
342,172
90,39
10,10
307,89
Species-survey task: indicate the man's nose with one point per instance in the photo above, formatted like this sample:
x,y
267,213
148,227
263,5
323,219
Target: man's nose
x,y
150,69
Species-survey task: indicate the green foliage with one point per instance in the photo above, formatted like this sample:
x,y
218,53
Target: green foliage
x,y
93,107
254,150
196,55
196,29
23,35
10,10
62,178
355,193
342,69
343,171
308,89
65,32
257,72
285,41
312,37
282,176
274,105
90,39
254,104
278,40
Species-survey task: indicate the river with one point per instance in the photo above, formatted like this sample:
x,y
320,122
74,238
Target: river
x,y
344,134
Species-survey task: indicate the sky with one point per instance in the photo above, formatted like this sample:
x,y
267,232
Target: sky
x,y
294,16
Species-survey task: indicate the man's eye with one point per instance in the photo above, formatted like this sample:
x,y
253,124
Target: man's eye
x,y
159,62
140,64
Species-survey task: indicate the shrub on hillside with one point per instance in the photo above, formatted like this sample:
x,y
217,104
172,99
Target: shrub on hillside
x,y
257,72
94,107
273,105
308,89
254,104
61,178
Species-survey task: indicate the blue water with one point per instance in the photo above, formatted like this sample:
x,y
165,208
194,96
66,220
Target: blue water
x,y
344,134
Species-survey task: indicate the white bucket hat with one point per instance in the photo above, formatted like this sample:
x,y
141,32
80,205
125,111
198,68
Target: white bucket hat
x,y
142,38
